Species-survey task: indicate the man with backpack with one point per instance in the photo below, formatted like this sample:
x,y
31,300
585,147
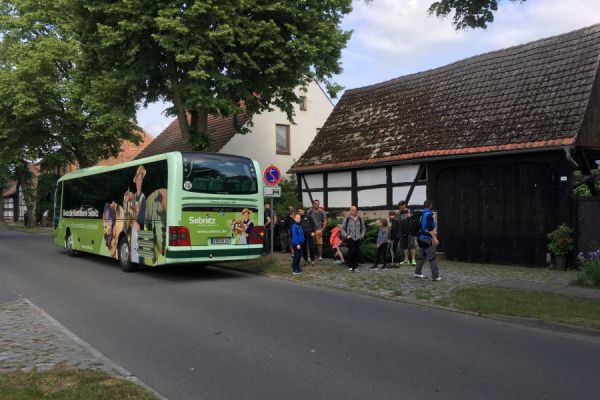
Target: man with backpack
x,y
427,241
407,239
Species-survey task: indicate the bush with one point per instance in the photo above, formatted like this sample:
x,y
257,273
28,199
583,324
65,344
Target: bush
x,y
561,241
368,247
589,275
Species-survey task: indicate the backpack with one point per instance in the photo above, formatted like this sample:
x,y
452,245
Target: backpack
x,y
414,223
345,226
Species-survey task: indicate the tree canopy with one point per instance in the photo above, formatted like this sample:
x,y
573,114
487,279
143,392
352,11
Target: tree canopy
x,y
220,57
47,105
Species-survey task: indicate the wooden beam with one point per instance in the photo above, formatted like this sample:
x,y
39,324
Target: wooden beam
x,y
414,183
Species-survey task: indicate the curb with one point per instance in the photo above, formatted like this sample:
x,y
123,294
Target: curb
x,y
530,323
122,372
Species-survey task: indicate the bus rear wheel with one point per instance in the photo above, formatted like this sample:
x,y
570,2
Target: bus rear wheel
x,y
125,257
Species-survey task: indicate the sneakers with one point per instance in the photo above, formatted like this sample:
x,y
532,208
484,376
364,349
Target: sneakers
x,y
405,262
336,261
438,279
420,276
320,258
297,272
350,270
414,262
356,270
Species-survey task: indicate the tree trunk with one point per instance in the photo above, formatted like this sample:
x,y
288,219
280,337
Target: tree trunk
x,y
184,128
199,130
27,183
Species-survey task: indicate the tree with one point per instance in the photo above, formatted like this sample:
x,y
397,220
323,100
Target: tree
x,y
221,57
468,13
47,104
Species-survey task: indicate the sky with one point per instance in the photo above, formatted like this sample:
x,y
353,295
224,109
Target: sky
x,y
392,38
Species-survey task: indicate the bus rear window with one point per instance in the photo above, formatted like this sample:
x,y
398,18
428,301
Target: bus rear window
x,y
210,173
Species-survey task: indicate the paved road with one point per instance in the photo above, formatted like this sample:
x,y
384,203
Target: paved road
x,y
216,334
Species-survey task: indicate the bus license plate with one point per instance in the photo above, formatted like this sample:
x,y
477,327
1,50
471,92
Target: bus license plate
x,y
221,241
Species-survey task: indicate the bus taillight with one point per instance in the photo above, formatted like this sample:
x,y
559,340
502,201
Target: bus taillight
x,y
179,236
257,235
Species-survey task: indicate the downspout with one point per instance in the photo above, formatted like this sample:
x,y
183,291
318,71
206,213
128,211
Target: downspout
x,y
570,157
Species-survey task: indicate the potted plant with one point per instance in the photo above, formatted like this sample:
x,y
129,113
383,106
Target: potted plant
x,y
560,244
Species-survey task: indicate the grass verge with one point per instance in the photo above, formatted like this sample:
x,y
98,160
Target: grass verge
x,y
22,228
68,384
521,303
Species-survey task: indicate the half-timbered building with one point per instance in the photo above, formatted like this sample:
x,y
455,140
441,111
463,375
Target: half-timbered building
x,y
492,140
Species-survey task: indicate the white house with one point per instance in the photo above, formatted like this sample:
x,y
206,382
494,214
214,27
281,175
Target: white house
x,y
271,140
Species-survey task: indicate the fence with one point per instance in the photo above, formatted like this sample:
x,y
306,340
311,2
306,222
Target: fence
x,y
588,224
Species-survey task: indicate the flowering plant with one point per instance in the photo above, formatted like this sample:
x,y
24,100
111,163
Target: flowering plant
x,y
561,240
589,273
589,257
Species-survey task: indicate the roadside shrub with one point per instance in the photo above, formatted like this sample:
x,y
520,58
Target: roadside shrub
x,y
589,274
369,247
561,240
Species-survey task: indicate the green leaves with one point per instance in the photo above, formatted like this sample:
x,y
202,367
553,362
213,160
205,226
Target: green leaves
x,y
212,56
467,13
49,102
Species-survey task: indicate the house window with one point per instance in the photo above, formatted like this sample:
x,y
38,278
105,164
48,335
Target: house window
x,y
282,134
302,103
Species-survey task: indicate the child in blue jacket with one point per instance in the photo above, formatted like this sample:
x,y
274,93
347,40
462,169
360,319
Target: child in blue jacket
x,y
297,242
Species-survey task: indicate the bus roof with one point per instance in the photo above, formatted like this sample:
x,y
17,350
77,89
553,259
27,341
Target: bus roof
x,y
99,169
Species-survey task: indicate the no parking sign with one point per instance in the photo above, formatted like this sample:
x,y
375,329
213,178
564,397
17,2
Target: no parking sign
x,y
272,175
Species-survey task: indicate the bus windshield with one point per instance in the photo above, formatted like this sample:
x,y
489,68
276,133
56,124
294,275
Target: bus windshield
x,y
218,174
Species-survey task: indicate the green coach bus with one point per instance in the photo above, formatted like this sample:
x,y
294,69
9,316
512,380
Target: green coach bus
x,y
170,208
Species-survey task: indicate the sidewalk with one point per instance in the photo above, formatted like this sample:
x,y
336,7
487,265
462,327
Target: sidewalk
x,y
399,283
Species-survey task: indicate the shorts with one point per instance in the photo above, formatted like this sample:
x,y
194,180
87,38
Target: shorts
x,y
319,237
407,242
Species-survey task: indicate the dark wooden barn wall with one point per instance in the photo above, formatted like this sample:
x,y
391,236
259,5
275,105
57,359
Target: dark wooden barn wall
x,y
499,209
588,224
589,134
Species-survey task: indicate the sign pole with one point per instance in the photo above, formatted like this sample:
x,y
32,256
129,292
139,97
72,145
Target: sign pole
x,y
272,177
272,238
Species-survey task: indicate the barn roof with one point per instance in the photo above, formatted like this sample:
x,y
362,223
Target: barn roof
x,y
528,96
220,131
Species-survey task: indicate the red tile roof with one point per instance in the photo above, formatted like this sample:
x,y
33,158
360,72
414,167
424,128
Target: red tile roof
x,y
129,150
220,130
529,96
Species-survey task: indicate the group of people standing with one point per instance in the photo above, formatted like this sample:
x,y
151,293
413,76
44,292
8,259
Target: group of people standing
x,y
303,232
397,232
307,235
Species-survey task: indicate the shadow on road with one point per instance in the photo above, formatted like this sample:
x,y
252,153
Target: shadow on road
x,y
176,272
191,271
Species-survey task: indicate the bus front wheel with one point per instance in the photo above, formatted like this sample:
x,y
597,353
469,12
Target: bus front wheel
x,y
125,256
69,245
